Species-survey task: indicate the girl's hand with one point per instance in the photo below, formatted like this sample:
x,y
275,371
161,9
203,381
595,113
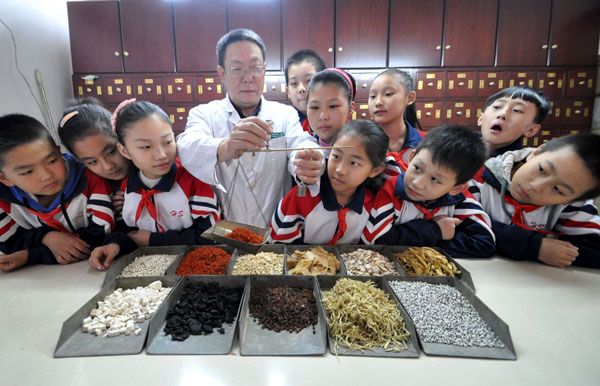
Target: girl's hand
x,y
141,238
101,257
117,201
309,165
13,261
65,247
558,253
447,225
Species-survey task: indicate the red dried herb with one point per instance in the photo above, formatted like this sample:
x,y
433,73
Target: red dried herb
x,y
204,261
245,235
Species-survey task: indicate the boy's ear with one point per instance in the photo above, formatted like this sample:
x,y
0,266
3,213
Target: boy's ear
x,y
459,189
535,152
412,97
123,150
480,120
412,155
5,181
221,72
532,130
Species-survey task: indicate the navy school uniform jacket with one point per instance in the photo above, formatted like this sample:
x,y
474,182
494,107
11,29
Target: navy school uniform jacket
x,y
396,220
177,210
83,208
316,220
520,229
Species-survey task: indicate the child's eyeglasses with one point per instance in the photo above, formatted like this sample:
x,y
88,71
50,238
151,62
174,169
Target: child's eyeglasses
x,y
239,72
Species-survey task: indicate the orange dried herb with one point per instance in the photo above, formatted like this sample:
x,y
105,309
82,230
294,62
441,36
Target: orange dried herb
x,y
245,235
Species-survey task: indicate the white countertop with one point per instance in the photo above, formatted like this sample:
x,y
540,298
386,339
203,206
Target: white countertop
x,y
553,314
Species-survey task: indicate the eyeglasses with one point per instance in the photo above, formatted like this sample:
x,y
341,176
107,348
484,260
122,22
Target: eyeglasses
x,y
240,72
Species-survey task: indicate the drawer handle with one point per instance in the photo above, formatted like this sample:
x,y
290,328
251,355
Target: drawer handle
x,y
430,84
492,84
581,82
447,47
459,113
118,89
364,85
554,46
88,89
340,49
461,84
209,88
545,47
148,89
330,49
437,48
178,88
364,115
522,83
551,83
428,113
117,53
125,53
180,118
577,111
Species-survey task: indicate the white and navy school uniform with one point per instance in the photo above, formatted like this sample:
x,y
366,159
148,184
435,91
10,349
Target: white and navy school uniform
x,y
397,162
396,220
83,208
177,209
320,219
520,228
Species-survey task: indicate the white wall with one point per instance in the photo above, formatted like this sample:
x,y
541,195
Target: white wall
x,y
41,32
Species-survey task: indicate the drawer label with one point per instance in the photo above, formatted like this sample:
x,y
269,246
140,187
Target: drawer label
x,y
149,81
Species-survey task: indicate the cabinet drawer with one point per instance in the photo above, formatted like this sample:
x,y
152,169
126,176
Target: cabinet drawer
x,y
179,89
275,88
149,89
490,82
361,110
429,113
430,84
460,84
551,83
578,112
88,88
118,89
521,78
460,113
208,88
581,83
363,83
178,116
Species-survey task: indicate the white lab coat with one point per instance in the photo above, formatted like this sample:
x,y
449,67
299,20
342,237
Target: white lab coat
x,y
269,174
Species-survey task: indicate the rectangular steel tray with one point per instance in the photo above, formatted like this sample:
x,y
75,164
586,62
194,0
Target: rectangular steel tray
x,y
497,325
464,276
117,265
275,248
222,228
173,269
382,249
73,342
214,344
290,249
255,340
326,283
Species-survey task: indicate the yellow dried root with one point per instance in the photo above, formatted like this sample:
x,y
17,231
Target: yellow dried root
x,y
426,261
361,317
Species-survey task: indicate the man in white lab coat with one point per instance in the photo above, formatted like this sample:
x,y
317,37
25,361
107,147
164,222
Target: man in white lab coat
x,y
222,134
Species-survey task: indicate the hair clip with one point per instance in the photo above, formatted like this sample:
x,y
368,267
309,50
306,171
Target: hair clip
x,y
121,106
67,117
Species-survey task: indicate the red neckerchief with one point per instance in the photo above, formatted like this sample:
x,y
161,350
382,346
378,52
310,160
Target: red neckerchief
x,y
428,213
518,217
342,226
306,126
48,219
146,202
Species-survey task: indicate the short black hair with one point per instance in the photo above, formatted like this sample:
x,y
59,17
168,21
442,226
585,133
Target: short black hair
x,y
300,57
332,76
527,94
457,148
91,119
134,112
20,129
237,35
587,147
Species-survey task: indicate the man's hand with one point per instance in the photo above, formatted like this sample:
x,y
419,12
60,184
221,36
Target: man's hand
x,y
557,253
65,247
248,134
309,165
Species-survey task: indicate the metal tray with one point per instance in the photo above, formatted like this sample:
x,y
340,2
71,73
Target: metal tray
x,y
222,228
214,344
117,265
464,276
173,269
255,340
275,248
382,249
326,283
496,324
75,343
290,249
